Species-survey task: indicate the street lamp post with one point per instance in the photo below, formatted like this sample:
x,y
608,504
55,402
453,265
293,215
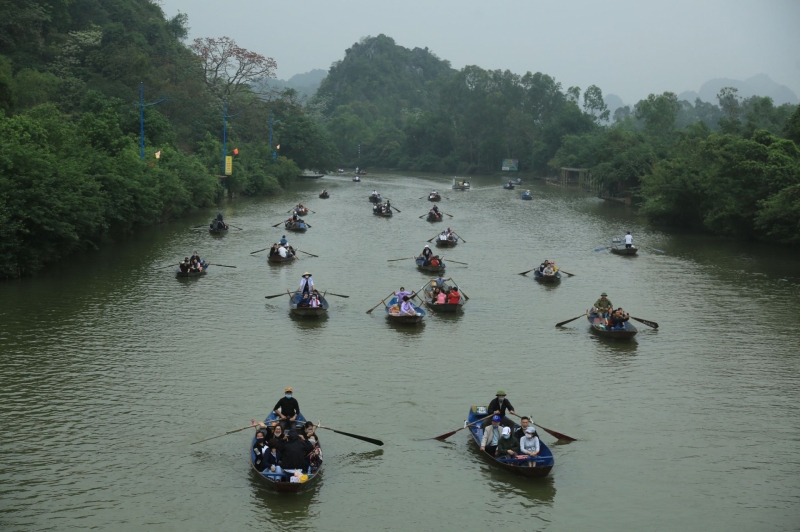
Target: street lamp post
x,y
141,105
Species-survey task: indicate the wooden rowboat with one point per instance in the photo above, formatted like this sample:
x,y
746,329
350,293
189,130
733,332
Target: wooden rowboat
x,y
433,217
460,185
310,176
324,195
217,228
450,242
421,266
542,463
356,179
301,211
282,482
179,273
298,226
375,199
622,250
527,196
397,317
598,328
427,291
434,197
542,278
508,186
315,312
386,214
277,259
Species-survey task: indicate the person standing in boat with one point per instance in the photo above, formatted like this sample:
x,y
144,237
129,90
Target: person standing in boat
x,y
287,408
603,307
628,240
440,280
499,405
427,254
283,241
306,284
388,206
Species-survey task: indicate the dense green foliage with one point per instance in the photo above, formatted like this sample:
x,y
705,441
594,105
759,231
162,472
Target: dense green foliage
x,y
70,170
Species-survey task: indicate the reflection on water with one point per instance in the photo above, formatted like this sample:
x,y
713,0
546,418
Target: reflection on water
x,y
286,511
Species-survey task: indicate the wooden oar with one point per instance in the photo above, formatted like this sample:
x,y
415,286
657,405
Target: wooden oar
x,y
527,272
223,265
659,250
394,260
276,295
251,425
423,216
239,228
601,249
382,301
260,250
570,274
395,208
567,321
432,238
356,436
167,266
279,223
457,262
450,215
649,323
307,253
553,433
338,295
459,236
446,435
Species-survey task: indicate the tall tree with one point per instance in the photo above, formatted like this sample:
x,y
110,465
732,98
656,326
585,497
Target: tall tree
x,y
230,69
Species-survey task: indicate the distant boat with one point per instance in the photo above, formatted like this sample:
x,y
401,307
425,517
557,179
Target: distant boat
x,y
310,176
461,185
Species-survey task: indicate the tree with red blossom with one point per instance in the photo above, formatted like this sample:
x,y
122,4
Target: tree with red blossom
x,y
230,69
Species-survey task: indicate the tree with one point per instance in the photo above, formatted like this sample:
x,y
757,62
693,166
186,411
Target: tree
x,y
230,69
729,101
791,130
659,113
594,105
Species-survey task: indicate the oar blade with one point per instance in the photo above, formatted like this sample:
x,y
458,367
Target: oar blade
x,y
556,434
569,320
446,435
649,323
356,436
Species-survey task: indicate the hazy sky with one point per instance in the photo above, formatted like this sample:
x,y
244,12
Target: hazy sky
x,y
627,47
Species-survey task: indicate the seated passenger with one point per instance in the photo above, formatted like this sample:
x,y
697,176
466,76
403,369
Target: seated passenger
x,y
282,252
441,297
277,437
508,445
196,266
543,265
273,460
294,452
309,431
618,319
454,296
196,256
273,250
260,449
184,266
529,445
305,301
549,270
435,260
407,307
290,251
314,301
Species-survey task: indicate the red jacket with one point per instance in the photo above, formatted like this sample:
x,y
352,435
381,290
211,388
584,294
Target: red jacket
x,y
453,297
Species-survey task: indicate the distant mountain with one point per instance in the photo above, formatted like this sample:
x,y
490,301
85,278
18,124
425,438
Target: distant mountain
x,y
758,85
613,102
306,83
691,96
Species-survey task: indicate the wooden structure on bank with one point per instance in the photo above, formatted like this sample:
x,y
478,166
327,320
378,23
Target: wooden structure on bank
x,y
583,178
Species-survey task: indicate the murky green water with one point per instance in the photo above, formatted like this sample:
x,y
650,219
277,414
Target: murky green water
x,y
109,369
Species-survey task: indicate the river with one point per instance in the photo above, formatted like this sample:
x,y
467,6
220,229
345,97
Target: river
x,y
110,368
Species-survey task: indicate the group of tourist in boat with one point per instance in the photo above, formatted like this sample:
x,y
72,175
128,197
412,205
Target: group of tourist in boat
x,y
218,224
285,448
613,319
548,268
429,259
282,249
445,296
191,264
499,438
385,208
447,236
293,220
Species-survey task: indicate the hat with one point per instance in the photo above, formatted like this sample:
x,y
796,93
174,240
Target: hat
x,y
500,392
506,430
530,430
496,418
288,389
307,273
427,246
603,294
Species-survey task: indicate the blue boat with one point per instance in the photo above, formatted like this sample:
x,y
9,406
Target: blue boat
x,y
281,482
527,196
599,328
421,266
403,318
299,226
538,466
295,308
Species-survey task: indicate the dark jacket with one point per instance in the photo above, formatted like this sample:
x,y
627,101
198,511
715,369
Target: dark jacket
x,y
259,449
289,407
294,452
272,460
495,405
506,444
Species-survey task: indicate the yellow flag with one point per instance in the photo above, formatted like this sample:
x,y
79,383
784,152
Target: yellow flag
x,y
158,155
